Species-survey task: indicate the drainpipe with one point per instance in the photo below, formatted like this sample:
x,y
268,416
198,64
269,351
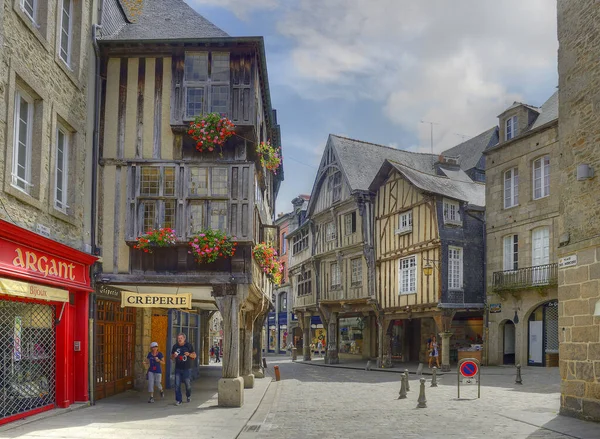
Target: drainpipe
x,y
95,146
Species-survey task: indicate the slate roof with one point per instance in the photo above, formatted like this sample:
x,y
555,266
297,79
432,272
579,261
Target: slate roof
x,y
472,193
163,20
361,160
548,112
470,152
520,104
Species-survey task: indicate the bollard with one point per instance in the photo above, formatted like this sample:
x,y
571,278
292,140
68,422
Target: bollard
x,y
434,378
294,354
420,370
368,365
402,387
264,362
519,380
422,402
277,376
407,381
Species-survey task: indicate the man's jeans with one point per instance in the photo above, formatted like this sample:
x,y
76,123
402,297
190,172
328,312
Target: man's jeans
x,y
182,375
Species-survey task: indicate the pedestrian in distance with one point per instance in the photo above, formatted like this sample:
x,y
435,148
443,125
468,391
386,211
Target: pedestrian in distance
x,y
434,353
154,360
212,353
217,354
183,354
320,348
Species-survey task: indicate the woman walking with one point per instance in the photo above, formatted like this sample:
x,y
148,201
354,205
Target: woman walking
x,y
434,352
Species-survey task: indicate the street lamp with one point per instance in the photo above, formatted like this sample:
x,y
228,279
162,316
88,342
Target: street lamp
x,y
428,267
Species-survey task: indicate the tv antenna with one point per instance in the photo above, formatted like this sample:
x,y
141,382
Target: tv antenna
x,y
431,124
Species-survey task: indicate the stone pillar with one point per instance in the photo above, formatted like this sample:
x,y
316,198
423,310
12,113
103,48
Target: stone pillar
x,y
445,351
246,337
306,354
380,341
387,359
332,340
231,386
257,346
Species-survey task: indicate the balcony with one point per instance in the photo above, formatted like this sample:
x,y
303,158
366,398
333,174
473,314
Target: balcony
x,y
523,278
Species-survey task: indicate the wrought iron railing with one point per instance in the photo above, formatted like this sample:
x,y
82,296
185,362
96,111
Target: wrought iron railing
x,y
529,277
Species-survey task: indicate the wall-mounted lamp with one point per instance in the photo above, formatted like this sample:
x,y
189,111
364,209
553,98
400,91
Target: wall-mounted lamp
x,y
584,172
516,318
428,267
597,309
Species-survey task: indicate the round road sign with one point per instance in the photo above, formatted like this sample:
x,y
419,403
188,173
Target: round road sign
x,y
468,369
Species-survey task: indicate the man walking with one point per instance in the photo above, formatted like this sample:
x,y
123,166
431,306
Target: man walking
x,y
183,354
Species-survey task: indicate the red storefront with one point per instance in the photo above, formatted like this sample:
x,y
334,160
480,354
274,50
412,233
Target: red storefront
x,y
44,308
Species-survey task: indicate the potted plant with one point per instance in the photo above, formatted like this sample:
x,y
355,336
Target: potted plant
x,y
163,237
267,259
270,157
210,131
208,245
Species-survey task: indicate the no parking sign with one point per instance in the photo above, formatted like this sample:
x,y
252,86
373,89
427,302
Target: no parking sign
x,y
469,369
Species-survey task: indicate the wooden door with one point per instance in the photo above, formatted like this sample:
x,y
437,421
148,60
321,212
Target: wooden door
x,y
160,326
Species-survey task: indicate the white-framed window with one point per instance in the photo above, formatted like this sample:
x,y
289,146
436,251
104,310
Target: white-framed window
x,y
405,223
511,188
541,177
30,8
334,185
511,127
330,231
336,278
452,212
356,271
206,81
455,268
511,252
66,31
22,147
61,172
540,255
407,275
350,223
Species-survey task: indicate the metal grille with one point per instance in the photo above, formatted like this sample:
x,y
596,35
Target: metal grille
x,y
27,357
552,327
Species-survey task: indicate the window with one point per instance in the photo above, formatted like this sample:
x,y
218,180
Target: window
x,y
283,302
455,268
511,127
304,284
511,188
62,169
157,201
22,148
335,274
300,241
540,255
208,182
334,186
283,244
350,223
206,83
331,232
452,213
541,177
356,271
30,8
405,223
66,31
511,252
408,275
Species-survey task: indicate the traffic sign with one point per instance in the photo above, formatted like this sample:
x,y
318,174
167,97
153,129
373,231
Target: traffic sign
x,y
468,369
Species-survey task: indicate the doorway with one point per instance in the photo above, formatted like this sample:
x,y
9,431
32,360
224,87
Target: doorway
x,y
509,343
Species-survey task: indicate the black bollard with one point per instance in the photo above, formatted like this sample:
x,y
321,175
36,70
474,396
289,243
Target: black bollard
x,y
434,378
264,362
422,401
518,380
402,387
407,381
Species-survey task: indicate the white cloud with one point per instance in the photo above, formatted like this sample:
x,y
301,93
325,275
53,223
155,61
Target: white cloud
x,y
457,63
238,7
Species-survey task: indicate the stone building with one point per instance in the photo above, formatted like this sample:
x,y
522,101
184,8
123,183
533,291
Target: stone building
x,y
579,226
46,124
522,197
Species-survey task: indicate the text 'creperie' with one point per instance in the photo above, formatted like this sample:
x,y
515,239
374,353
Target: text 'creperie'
x,y
153,300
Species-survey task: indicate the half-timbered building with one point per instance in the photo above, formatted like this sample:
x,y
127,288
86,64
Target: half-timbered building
x,y
429,258
162,65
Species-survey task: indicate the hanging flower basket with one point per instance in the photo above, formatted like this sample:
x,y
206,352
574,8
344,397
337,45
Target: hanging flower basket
x,y
163,237
210,131
209,245
270,157
267,259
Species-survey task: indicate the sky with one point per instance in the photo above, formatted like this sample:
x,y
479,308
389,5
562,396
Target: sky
x,y
388,71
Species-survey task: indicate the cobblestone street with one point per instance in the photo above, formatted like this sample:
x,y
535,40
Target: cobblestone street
x,y
328,402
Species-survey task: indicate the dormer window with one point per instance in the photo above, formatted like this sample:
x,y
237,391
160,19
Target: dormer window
x,y
511,127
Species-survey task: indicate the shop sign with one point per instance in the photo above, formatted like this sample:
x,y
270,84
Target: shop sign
x,y
33,291
567,261
156,300
108,292
25,260
495,307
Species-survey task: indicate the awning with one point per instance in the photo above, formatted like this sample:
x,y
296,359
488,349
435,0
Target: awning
x,y
32,291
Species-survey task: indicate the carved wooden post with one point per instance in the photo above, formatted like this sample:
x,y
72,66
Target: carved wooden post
x,y
246,349
257,347
306,353
380,340
231,386
332,344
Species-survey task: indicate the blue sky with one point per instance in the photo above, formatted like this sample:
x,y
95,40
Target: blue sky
x,y
374,69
